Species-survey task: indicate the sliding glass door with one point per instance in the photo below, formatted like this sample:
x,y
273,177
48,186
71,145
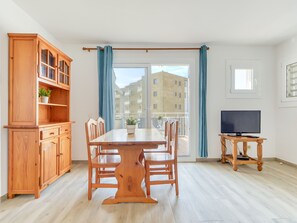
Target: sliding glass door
x,y
153,94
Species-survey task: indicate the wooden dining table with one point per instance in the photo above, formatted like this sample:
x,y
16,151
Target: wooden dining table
x,y
130,172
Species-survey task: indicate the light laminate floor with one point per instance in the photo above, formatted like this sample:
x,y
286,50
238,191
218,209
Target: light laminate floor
x,y
209,192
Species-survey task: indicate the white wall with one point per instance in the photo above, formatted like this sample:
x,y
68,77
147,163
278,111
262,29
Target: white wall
x,y
216,93
286,127
84,101
12,19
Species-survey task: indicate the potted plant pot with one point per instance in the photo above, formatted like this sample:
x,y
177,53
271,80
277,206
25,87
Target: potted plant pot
x,y
44,99
130,129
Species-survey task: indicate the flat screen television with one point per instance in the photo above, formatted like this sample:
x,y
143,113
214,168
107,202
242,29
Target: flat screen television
x,y
238,122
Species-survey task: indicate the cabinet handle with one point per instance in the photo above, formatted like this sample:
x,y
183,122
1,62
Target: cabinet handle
x,y
61,154
52,133
54,143
66,130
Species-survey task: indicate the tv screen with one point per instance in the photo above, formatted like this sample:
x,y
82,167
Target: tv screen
x,y
238,122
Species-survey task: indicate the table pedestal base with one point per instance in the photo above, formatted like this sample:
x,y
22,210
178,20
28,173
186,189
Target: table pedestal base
x,y
116,200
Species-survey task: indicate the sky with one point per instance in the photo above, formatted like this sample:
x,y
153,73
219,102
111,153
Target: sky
x,y
125,76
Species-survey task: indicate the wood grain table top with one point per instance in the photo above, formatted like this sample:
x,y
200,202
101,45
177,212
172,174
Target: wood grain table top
x,y
121,137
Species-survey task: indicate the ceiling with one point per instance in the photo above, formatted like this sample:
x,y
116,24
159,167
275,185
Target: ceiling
x,y
252,22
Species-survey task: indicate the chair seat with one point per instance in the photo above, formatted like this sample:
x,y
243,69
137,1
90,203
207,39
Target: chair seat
x,y
158,157
106,161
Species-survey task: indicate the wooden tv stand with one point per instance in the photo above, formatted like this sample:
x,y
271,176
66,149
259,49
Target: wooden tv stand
x,y
245,140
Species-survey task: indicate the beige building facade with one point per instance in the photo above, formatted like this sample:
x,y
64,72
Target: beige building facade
x,y
168,95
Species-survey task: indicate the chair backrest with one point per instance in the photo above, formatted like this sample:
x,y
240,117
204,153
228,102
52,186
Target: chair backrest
x,y
91,127
166,129
101,126
173,138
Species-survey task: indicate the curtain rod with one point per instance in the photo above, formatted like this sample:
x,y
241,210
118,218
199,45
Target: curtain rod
x,y
146,49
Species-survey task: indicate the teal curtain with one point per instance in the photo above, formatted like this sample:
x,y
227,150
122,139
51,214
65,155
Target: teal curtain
x,y
202,102
105,78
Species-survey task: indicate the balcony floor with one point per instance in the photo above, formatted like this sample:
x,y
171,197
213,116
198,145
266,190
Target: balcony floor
x,y
183,146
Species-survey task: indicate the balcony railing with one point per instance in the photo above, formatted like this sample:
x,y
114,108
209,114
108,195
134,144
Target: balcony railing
x,y
157,120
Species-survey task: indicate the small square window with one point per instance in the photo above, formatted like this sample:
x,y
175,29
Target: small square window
x,y
175,94
155,106
179,83
155,81
155,93
179,95
179,107
242,79
175,106
175,82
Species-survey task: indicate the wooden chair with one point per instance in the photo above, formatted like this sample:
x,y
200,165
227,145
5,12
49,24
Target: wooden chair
x,y
101,131
169,160
98,161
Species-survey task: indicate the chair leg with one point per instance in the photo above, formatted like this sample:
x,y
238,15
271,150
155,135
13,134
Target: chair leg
x,y
170,169
176,179
147,179
90,183
97,175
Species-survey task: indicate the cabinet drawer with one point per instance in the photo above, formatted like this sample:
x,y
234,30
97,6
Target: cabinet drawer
x,y
65,129
48,133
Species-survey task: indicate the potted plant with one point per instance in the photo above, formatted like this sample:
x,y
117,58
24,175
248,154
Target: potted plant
x,y
44,94
130,125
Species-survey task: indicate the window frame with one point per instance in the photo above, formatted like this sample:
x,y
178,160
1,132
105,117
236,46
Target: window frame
x,y
231,66
284,100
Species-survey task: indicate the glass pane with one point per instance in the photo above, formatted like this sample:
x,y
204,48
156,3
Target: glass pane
x,y
170,100
130,95
44,56
61,79
66,71
51,59
243,79
67,80
291,82
61,66
51,74
43,71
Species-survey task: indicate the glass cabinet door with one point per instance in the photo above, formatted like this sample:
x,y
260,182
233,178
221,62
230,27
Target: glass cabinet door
x,y
48,63
63,72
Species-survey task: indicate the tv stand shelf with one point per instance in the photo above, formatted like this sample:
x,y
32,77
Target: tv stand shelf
x,y
232,158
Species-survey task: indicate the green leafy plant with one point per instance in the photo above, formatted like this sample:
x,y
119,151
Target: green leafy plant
x,y
160,117
44,93
131,121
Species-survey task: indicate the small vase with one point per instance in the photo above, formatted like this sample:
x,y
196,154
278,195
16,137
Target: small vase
x,y
44,99
130,129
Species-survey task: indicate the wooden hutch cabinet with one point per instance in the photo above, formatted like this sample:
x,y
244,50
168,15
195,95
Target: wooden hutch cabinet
x,y
39,133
